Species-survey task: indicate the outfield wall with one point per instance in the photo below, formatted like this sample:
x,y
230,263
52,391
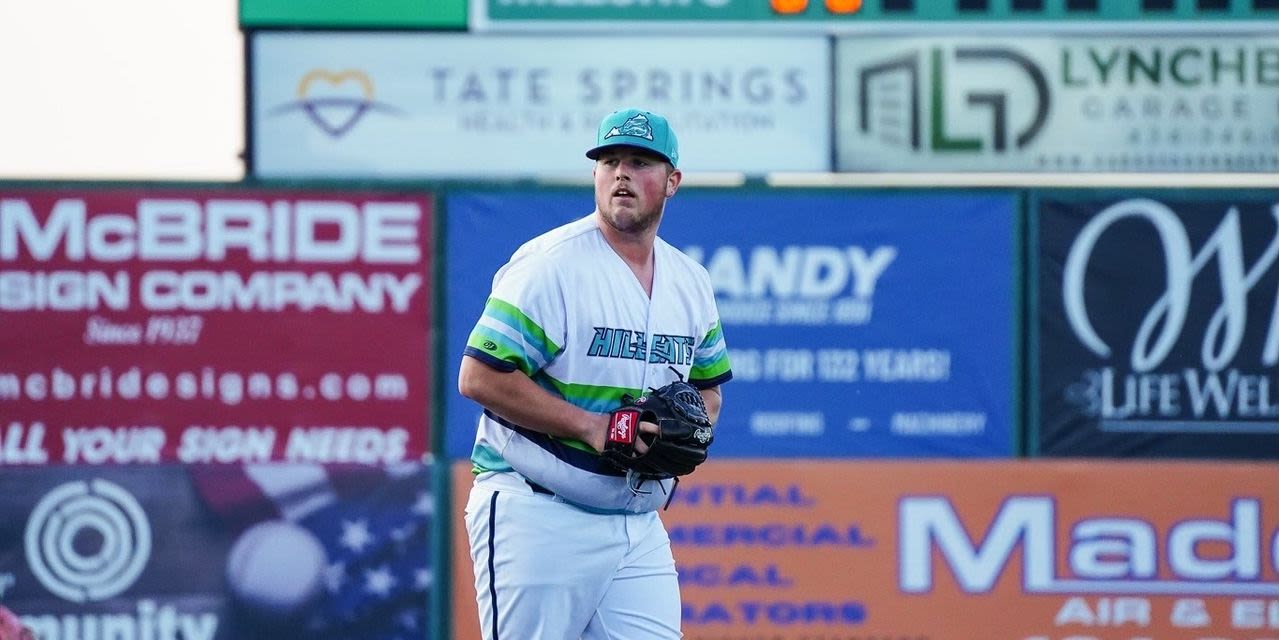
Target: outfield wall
x,y
1077,382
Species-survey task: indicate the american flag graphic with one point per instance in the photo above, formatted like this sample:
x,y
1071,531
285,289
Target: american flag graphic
x,y
373,522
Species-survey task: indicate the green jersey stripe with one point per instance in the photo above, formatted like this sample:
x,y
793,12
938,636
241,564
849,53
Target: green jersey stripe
x,y
595,398
712,368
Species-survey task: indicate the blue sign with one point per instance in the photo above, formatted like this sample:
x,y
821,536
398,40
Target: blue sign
x,y
1155,332
218,552
858,324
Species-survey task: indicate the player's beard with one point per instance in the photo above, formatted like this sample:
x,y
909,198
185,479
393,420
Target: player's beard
x,y
631,220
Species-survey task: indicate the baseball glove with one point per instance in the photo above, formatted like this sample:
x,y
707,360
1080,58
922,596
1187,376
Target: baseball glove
x,y
685,432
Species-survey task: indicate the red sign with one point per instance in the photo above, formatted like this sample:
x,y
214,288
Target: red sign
x,y
1010,550
141,326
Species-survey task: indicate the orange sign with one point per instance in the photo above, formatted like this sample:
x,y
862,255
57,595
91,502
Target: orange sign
x,y
1011,550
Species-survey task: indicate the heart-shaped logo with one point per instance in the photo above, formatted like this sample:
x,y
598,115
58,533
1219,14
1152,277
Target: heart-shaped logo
x,y
315,76
334,100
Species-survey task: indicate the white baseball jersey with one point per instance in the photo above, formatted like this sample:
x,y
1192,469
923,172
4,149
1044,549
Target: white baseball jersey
x,y
568,312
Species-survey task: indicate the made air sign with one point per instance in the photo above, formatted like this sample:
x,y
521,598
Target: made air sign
x,y
945,550
1058,104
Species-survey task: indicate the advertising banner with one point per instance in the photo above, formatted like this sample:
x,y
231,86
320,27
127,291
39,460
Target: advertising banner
x,y
1014,550
793,15
1108,103
352,14
226,552
144,326
1156,329
874,325
407,105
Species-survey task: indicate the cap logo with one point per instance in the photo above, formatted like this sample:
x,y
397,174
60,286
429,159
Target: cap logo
x,y
636,126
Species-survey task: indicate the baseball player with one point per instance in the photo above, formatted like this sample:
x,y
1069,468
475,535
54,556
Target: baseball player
x,y
581,319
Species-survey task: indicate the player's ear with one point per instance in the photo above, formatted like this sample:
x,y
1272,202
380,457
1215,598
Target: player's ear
x,y
672,182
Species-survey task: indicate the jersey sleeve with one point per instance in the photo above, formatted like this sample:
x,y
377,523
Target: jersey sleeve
x,y
710,360
710,357
523,324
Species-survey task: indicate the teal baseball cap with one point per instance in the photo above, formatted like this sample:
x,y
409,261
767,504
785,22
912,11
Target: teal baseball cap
x,y
636,128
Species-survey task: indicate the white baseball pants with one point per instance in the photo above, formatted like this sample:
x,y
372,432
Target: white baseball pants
x,y
546,570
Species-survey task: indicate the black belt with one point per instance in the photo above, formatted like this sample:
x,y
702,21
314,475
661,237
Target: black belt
x,y
537,488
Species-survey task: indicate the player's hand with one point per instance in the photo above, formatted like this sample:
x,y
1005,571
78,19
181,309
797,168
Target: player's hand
x,y
597,433
648,431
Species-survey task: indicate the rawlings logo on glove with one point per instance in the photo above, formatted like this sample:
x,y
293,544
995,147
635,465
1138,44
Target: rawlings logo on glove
x,y
621,427
684,432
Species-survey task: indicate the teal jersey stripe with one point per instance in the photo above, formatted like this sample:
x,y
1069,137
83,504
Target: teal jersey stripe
x,y
486,459
510,315
714,336
710,369
711,359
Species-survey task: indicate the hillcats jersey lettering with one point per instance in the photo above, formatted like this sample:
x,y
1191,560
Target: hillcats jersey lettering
x,y
591,350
